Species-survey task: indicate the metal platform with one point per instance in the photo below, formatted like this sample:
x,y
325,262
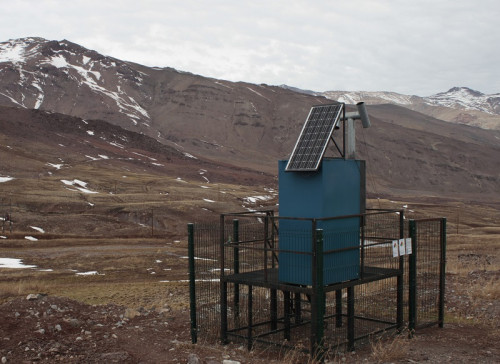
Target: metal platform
x,y
268,278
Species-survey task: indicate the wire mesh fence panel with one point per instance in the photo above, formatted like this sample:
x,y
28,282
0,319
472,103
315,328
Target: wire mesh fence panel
x,y
207,279
336,318
241,242
428,260
379,231
377,221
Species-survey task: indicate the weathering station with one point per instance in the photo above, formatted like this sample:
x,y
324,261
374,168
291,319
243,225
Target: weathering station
x,y
326,271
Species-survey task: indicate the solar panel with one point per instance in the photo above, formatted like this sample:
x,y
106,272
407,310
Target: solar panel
x,y
314,137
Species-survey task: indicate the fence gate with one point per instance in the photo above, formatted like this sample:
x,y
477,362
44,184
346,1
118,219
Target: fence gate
x,y
427,273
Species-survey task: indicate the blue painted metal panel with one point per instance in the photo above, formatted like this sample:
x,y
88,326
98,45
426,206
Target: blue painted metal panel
x,y
335,190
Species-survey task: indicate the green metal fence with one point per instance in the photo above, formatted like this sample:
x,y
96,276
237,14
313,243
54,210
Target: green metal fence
x,y
332,316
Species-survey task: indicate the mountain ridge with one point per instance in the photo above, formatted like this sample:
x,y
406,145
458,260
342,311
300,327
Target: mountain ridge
x,y
242,124
459,104
456,97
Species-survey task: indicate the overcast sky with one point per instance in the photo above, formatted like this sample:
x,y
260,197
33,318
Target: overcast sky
x,y
417,47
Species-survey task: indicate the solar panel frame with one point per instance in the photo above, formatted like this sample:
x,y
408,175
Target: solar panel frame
x,y
314,137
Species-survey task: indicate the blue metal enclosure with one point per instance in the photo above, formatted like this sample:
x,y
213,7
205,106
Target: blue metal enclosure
x,y
336,189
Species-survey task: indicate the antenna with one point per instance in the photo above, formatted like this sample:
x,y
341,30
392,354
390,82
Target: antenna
x,y
361,114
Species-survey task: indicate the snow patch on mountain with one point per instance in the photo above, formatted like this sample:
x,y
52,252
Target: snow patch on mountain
x,y
30,57
40,97
354,97
19,50
78,185
125,103
55,165
11,53
466,98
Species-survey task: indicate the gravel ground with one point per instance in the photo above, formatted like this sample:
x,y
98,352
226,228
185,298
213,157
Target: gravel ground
x,y
48,329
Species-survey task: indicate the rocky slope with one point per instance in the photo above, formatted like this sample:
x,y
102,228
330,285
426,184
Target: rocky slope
x,y
206,116
252,126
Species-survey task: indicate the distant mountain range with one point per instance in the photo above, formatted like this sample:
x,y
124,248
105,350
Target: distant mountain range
x,y
417,146
30,63
458,104
462,98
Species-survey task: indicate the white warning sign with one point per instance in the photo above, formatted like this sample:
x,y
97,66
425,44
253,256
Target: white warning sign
x,y
395,248
408,246
402,248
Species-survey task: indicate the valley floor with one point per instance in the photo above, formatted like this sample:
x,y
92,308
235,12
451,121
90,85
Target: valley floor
x,y
126,300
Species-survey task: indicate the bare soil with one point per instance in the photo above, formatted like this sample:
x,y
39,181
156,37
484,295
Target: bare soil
x,y
131,315
56,329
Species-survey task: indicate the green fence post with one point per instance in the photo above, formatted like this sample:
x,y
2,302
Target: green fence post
x,y
250,318
442,272
319,301
362,264
192,284
412,279
236,264
223,283
400,278
314,295
274,292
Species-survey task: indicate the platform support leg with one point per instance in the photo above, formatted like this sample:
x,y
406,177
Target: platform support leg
x,y
350,318
338,308
286,299
298,309
274,309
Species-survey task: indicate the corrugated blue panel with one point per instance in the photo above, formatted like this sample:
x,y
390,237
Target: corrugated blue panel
x,y
332,191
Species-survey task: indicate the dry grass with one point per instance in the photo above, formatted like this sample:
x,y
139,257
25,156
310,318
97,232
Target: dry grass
x,y
130,291
126,203
128,281
483,291
473,268
23,288
298,356
386,350
130,271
